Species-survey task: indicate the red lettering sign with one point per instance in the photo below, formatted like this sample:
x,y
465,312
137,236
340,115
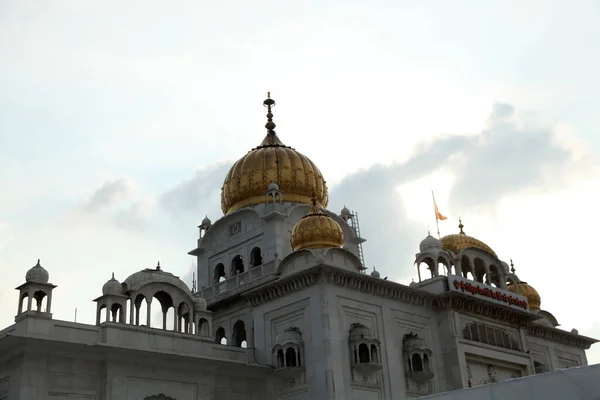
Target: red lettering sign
x,y
490,293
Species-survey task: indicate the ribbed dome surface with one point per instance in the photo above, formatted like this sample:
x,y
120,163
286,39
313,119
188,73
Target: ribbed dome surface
x,y
316,230
533,297
249,178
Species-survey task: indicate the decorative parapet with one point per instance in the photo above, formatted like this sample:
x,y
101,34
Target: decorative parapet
x,y
560,336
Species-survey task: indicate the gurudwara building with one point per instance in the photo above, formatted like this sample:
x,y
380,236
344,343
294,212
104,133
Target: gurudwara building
x,y
284,308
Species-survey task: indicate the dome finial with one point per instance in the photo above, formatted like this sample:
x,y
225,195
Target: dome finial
x,y
38,263
158,266
113,275
461,226
270,125
313,199
512,266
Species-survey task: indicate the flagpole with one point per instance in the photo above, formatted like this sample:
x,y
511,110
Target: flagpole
x,y
437,223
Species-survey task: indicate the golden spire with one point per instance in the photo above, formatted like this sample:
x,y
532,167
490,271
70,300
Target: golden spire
x,y
461,226
271,139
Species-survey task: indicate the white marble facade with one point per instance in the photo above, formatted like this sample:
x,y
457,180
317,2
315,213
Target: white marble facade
x,y
266,322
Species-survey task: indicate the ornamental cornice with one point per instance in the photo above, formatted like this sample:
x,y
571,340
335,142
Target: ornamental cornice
x,y
560,336
466,304
339,277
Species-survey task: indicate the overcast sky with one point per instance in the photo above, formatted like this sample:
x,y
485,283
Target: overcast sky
x,y
118,123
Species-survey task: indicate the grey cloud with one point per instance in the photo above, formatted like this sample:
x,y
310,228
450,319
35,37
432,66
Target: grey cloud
x,y
191,195
504,159
108,194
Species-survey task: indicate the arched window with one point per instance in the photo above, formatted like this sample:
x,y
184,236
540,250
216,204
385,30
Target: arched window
x,y
426,362
374,356
40,301
363,353
239,333
220,336
417,363
203,327
490,335
280,359
237,265
290,357
219,273
255,257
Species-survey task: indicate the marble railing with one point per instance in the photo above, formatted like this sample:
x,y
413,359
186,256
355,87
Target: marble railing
x,y
252,275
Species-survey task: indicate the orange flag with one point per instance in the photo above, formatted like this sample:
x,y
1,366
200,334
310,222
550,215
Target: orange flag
x,y
438,214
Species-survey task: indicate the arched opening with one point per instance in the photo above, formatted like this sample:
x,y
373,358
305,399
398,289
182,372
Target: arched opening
x,y
183,318
479,268
203,327
363,353
495,276
168,311
101,315
237,265
255,257
427,264
444,265
290,357
239,333
141,311
426,362
116,313
374,355
220,336
23,300
219,273
40,301
417,363
466,268
280,358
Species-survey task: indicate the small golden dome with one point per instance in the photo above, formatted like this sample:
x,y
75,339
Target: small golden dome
x,y
316,230
459,241
533,297
272,161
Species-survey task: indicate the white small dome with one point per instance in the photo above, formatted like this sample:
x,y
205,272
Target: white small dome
x,y
37,274
290,335
200,304
430,243
375,273
206,221
273,186
112,286
345,212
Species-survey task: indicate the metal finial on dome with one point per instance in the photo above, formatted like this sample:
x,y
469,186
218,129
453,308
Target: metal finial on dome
x,y
313,199
512,266
113,276
38,263
460,225
269,102
158,266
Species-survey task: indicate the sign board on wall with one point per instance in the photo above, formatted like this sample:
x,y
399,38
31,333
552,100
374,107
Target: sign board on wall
x,y
485,292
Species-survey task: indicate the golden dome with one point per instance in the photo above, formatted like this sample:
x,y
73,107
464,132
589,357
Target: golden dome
x,y
316,230
533,297
272,161
459,241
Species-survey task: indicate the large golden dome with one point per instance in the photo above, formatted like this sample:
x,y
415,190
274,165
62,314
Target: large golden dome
x,y
316,230
272,161
459,241
533,297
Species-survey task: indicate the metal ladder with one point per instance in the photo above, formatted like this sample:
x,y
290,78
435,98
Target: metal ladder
x,y
356,227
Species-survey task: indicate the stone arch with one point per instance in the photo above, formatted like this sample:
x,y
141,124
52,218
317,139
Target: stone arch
x,y
239,334
290,357
219,273
237,265
255,257
203,327
417,362
117,313
41,302
280,359
141,306
220,337
466,268
364,354
479,270
22,305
